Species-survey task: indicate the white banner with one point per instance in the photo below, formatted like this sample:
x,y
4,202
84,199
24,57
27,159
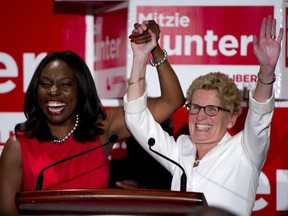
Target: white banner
x,y
204,36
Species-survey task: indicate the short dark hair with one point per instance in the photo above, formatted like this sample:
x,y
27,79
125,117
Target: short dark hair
x,y
89,107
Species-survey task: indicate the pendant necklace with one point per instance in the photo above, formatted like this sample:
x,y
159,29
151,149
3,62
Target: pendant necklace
x,y
197,160
57,141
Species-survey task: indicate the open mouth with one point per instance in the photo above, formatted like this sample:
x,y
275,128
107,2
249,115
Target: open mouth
x,y
203,126
55,107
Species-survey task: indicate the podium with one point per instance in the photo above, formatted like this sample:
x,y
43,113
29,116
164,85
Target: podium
x,y
108,202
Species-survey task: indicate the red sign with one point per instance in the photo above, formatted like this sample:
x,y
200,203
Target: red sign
x,y
29,30
110,39
110,48
207,34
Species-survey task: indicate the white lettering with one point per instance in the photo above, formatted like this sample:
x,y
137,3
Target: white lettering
x,y
98,26
228,45
10,71
199,48
177,48
108,49
282,190
245,40
30,63
166,20
210,38
263,188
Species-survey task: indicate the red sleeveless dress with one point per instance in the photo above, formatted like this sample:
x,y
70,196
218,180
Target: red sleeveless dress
x,y
87,171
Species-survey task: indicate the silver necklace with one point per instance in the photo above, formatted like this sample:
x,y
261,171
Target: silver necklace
x,y
69,134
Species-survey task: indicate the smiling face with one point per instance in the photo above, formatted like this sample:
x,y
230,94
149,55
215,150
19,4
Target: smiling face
x,y
206,129
57,92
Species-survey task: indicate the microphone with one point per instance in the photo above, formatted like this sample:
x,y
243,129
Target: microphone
x,y
40,177
183,183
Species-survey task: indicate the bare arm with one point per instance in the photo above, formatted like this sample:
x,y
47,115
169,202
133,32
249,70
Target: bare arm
x,y
171,93
267,51
10,176
171,97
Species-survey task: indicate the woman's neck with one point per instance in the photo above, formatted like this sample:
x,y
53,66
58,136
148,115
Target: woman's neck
x,y
203,149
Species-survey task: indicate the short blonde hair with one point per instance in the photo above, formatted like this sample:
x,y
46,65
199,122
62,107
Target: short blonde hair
x,y
229,95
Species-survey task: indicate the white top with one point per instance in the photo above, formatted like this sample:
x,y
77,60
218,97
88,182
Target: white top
x,y
228,174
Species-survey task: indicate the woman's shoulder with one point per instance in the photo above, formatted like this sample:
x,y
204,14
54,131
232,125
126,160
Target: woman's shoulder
x,y
184,141
12,140
12,146
184,138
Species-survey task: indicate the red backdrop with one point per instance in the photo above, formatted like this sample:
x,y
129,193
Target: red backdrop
x,y
32,27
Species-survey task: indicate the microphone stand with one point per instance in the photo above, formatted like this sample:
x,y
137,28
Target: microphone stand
x,y
40,177
183,183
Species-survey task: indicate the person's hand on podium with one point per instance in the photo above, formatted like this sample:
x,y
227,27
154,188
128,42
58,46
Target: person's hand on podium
x,y
129,184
